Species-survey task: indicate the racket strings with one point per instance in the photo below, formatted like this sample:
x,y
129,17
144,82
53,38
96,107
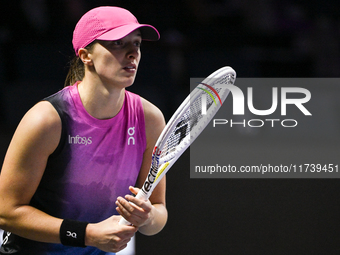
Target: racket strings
x,y
178,135
197,105
192,121
189,120
212,95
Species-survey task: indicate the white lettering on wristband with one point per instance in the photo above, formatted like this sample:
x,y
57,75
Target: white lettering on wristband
x,y
6,238
71,234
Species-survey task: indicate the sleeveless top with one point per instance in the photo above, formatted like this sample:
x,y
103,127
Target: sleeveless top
x,y
95,162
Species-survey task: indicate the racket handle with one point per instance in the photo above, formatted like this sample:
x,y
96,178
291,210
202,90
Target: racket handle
x,y
140,195
124,222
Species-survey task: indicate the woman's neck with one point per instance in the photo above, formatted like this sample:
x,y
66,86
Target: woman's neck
x,y
101,102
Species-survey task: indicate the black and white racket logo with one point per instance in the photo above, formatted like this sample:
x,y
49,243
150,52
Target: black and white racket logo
x,y
182,130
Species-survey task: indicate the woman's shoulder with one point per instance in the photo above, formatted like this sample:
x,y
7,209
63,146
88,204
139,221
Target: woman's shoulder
x,y
43,113
40,128
42,118
152,113
154,121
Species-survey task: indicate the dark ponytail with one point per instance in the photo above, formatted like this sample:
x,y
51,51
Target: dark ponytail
x,y
76,71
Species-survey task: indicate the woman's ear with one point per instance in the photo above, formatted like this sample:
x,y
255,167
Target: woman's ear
x,y
84,56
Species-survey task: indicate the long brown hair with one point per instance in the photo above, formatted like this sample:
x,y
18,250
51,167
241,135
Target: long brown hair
x,y
76,70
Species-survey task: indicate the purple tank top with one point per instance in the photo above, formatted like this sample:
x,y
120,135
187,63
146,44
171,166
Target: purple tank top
x,y
96,160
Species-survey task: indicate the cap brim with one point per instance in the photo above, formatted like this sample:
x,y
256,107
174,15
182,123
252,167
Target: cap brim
x,y
149,32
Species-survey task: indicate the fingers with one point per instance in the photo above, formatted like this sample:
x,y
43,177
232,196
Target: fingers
x,y
128,210
124,208
137,212
134,190
120,248
134,205
119,244
108,235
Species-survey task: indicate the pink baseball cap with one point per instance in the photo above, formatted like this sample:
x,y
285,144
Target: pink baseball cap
x,y
108,23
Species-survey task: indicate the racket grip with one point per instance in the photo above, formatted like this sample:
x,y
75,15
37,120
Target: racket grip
x,y
140,195
124,222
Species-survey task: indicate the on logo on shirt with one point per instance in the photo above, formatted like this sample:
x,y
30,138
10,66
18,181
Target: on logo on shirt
x,y
131,139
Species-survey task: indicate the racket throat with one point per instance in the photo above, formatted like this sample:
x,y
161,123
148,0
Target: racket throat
x,y
151,178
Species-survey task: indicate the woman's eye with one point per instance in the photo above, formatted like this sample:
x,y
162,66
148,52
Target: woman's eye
x,y
117,43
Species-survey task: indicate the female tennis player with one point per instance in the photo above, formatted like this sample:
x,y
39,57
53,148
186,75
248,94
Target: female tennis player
x,y
77,154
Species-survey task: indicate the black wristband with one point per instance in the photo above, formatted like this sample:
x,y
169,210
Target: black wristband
x,y
72,233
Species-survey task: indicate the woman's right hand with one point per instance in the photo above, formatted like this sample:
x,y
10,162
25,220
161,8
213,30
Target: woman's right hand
x,y
108,235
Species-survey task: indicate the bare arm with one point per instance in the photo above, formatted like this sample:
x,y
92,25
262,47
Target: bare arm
x,y
150,216
35,139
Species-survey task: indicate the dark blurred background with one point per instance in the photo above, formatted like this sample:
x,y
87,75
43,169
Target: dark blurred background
x,y
260,38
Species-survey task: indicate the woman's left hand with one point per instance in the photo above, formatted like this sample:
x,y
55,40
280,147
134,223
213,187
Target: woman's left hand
x,y
138,212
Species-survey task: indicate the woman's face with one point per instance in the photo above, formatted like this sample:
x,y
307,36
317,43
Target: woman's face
x,y
116,62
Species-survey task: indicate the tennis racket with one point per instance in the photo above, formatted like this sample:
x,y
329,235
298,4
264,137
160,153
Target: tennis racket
x,y
192,116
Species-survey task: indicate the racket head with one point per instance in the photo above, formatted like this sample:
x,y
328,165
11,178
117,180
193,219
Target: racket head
x,y
189,121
